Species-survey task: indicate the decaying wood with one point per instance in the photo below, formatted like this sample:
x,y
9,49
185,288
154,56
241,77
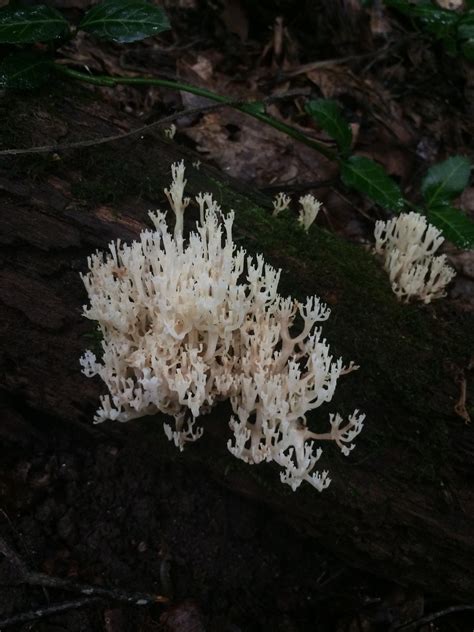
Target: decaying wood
x,y
402,505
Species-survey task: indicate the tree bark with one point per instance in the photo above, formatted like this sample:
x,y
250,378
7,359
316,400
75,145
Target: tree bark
x,y
401,505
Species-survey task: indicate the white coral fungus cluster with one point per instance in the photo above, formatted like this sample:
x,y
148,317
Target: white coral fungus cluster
x,y
187,324
309,210
170,131
281,202
408,244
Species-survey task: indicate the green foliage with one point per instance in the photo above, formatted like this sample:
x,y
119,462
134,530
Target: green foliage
x,y
455,30
329,116
466,27
370,178
455,226
24,70
116,20
125,20
445,181
439,187
438,21
26,25
466,35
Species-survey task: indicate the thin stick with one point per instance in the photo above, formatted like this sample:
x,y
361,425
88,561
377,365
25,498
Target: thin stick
x,y
417,623
132,598
42,149
251,109
32,578
40,613
297,187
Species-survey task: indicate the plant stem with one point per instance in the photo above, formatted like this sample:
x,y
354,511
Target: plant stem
x,y
248,108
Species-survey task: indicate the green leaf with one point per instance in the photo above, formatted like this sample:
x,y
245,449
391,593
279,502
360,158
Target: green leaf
x,y
367,176
446,180
468,49
125,20
329,116
450,45
24,70
26,25
466,27
425,10
456,226
438,21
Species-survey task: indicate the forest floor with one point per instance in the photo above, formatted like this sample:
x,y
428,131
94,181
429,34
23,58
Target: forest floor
x,y
109,514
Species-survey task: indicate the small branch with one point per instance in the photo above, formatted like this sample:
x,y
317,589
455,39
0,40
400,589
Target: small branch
x,y
247,107
354,206
32,578
43,149
297,187
460,406
40,613
116,594
18,564
417,623
325,63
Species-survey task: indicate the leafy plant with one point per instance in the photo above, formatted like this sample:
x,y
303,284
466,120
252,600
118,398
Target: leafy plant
x,y
455,30
124,20
27,25
370,178
329,116
442,183
132,20
440,186
115,20
24,70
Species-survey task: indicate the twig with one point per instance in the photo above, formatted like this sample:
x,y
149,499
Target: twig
x,y
417,623
32,578
249,108
47,611
325,63
15,560
135,599
354,206
297,187
460,406
43,149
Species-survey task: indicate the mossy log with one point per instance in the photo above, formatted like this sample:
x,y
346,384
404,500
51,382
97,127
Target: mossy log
x,y
401,505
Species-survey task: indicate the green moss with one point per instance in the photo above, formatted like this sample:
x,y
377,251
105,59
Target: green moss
x,y
400,348
93,341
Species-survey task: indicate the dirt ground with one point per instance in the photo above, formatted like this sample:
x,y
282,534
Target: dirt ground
x,y
104,509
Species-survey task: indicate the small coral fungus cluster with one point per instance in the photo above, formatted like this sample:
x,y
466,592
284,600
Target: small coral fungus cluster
x,y
408,245
188,323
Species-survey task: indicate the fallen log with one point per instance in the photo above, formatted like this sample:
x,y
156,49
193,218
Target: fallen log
x,y
401,506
